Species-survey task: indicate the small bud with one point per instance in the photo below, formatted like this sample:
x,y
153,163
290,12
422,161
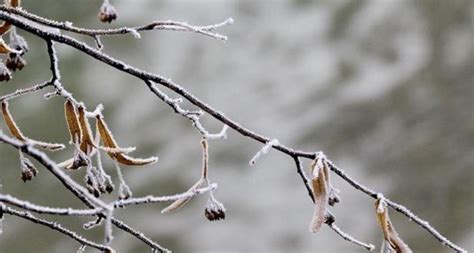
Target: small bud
x,y
107,12
215,210
109,187
15,62
124,196
96,193
28,170
5,74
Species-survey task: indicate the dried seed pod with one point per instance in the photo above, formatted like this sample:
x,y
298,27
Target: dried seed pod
x,y
115,152
320,185
28,170
5,74
182,202
16,132
15,3
12,126
109,187
87,142
391,238
4,28
214,210
107,12
124,191
4,48
72,121
15,62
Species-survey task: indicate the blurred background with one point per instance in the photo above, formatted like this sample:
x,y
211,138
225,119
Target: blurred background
x,y
384,88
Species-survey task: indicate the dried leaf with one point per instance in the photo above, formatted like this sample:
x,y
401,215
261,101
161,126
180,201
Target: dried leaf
x,y
320,187
15,131
181,202
110,143
4,28
12,126
72,122
87,142
15,3
4,48
390,235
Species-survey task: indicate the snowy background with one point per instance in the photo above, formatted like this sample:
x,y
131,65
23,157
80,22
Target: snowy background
x,y
384,88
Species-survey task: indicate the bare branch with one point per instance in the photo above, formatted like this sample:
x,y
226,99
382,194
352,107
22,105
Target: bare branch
x,y
55,226
152,199
8,199
349,238
155,25
21,92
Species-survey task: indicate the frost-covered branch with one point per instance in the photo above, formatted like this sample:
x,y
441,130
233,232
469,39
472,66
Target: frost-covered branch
x,y
155,25
319,190
54,226
8,199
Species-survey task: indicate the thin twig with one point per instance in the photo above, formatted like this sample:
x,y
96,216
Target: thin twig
x,y
193,116
303,176
55,226
155,246
155,25
24,91
351,239
8,199
152,199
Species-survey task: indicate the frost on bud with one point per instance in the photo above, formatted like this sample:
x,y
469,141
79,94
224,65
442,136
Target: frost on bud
x,y
5,74
107,12
15,62
215,210
124,191
109,188
182,202
392,242
28,170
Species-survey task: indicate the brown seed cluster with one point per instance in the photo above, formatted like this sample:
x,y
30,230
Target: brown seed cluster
x,y
5,74
107,13
15,49
28,170
214,210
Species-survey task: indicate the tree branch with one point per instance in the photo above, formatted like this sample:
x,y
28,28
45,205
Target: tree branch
x,y
5,14
55,226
